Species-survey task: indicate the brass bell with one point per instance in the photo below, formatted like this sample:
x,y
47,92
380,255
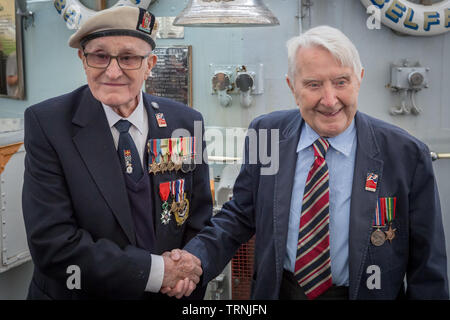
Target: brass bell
x,y
226,13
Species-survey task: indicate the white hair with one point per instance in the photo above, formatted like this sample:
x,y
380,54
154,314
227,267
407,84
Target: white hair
x,y
329,38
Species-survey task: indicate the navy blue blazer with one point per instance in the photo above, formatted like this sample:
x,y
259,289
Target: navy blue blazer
x,y
261,205
75,203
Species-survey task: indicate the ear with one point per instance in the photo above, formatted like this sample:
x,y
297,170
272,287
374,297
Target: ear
x,y
80,54
290,85
362,73
151,62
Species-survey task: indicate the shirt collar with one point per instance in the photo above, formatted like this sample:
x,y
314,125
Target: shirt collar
x,y
136,118
342,142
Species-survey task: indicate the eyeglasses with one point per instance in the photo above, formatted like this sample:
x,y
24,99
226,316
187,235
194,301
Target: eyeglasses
x,y
102,60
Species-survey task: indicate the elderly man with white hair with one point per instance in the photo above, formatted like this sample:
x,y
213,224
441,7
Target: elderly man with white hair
x,y
353,210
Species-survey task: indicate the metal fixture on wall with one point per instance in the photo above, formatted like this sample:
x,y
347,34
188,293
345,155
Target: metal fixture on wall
x,y
245,80
406,80
221,83
226,13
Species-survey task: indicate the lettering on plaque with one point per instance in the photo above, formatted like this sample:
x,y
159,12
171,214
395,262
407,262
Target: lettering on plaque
x,y
172,75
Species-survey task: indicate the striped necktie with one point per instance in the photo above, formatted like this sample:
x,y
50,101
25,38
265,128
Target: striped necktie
x,y
313,263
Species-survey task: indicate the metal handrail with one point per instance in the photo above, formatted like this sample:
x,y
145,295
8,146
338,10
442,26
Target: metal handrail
x,y
436,156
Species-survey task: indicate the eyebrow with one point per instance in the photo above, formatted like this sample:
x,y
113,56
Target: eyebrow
x,y
343,76
126,49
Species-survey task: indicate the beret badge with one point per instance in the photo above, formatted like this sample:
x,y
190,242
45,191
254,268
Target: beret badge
x,y
146,21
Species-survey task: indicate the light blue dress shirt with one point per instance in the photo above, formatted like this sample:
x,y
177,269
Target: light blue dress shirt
x,y
340,159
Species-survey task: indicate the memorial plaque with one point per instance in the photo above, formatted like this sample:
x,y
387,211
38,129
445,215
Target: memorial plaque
x,y
172,75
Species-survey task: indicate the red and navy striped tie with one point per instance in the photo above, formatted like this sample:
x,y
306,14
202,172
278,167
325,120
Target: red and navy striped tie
x,y
313,263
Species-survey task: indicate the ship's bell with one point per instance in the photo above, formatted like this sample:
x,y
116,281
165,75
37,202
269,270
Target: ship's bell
x,y
226,13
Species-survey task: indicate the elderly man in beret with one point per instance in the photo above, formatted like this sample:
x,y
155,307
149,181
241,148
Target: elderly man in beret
x,y
108,189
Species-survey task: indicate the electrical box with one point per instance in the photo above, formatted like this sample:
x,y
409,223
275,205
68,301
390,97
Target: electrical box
x,y
409,77
13,240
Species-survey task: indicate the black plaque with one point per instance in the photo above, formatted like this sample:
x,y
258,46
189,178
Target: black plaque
x,y
172,75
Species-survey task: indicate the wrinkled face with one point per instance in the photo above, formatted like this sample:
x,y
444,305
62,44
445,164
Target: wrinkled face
x,y
113,86
325,91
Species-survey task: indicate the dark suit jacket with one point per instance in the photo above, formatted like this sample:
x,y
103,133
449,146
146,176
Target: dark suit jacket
x,y
261,205
75,202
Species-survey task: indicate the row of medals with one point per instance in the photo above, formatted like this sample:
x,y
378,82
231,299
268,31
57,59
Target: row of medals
x,y
185,164
378,237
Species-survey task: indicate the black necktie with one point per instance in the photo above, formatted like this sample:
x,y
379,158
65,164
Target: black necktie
x,y
128,154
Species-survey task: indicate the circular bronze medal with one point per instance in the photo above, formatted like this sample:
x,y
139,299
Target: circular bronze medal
x,y
378,238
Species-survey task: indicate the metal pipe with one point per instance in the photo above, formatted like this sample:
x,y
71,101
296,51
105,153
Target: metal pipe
x,y
436,156
299,16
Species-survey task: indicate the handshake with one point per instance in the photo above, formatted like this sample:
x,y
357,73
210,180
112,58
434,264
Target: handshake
x,y
182,272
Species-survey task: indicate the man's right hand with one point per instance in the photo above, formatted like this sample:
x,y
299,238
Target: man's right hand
x,y
182,272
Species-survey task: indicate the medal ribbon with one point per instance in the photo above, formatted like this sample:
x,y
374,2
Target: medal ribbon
x,y
177,189
170,149
164,190
379,214
390,208
182,146
385,211
158,151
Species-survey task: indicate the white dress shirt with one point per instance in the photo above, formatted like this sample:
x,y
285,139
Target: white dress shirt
x,y
139,132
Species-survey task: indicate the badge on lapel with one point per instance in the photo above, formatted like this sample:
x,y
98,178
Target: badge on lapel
x,y
384,215
371,182
161,120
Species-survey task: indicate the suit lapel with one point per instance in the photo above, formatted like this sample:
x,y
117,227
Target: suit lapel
x,y
363,203
283,184
95,144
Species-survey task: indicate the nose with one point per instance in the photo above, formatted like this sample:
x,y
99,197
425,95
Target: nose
x,y
113,71
329,98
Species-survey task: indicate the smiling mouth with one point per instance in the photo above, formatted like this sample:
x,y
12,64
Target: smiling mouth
x,y
114,84
330,114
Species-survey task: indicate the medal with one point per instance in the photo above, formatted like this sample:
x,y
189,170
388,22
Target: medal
x,y
152,150
389,204
188,162
180,203
378,237
371,182
390,233
170,164
183,211
164,192
158,155
128,164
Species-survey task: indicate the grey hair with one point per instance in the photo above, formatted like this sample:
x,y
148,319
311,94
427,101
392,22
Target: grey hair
x,y
329,38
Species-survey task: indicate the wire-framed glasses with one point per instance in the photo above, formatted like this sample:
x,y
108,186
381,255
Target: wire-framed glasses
x,y
102,60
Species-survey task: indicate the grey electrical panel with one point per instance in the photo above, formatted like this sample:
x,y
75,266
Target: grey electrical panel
x,y
13,240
